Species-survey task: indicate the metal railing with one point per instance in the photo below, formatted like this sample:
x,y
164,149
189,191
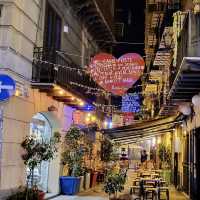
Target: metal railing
x,y
51,66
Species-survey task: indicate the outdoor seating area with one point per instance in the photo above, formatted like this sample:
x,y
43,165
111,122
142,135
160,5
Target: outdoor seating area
x,y
149,184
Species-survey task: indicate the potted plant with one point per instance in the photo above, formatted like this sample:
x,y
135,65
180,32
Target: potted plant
x,y
35,151
24,193
88,156
114,184
164,154
72,156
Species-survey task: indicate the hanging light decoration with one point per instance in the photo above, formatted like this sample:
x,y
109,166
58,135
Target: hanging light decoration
x,y
185,109
196,100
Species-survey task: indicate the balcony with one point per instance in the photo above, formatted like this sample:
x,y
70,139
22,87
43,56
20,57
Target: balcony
x,y
186,77
97,17
53,73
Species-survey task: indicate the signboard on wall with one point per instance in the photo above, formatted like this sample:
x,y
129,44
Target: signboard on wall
x,y
7,87
131,103
116,75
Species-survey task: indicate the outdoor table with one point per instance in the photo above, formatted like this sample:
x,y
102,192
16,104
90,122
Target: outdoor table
x,y
163,183
155,175
136,182
146,180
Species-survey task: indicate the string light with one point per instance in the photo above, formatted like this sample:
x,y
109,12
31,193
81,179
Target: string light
x,y
78,69
56,66
93,118
81,103
86,87
61,92
87,119
17,93
105,124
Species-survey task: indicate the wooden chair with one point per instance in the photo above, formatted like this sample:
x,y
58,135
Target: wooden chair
x,y
135,192
150,193
165,191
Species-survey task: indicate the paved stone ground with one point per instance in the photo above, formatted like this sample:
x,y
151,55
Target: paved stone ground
x,y
98,194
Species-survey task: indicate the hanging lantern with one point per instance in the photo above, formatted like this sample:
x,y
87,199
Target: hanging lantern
x,y
185,109
196,100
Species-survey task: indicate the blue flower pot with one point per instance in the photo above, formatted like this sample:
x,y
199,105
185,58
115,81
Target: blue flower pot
x,y
69,185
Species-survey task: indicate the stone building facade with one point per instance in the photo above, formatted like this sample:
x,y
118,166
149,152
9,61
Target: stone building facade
x,y
24,26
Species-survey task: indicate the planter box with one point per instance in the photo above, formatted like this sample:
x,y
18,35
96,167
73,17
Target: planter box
x,y
41,195
87,181
81,188
93,179
69,185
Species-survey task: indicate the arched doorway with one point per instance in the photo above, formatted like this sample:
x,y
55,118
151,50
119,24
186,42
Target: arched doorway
x,y
41,128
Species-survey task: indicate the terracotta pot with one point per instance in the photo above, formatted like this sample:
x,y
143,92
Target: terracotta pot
x,y
41,195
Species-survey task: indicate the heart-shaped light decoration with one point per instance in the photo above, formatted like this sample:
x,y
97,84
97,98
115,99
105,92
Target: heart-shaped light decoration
x,y
116,75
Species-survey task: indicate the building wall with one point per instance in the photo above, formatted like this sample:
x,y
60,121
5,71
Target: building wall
x,y
77,43
17,115
16,40
22,28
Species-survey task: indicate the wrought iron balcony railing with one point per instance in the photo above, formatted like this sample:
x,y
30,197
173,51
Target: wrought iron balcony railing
x,y
51,66
184,44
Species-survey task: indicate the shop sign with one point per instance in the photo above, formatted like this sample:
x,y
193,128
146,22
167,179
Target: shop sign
x,y
7,87
128,119
117,120
78,117
131,103
116,75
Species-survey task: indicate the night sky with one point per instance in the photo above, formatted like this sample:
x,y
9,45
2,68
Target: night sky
x,y
132,14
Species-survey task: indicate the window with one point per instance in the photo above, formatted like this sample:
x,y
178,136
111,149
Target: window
x,y
53,27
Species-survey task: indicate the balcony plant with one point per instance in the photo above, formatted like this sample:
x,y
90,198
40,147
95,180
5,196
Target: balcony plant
x,y
114,184
72,156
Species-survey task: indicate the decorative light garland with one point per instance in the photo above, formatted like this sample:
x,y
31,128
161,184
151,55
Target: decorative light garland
x,y
58,65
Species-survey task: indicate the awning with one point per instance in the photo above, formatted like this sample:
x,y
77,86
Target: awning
x,y
187,81
142,130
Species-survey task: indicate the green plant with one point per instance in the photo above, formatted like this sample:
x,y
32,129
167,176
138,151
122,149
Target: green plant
x,y
164,154
74,151
37,151
109,151
114,183
25,194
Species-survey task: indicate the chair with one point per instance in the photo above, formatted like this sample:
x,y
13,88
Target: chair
x,y
163,190
135,192
150,193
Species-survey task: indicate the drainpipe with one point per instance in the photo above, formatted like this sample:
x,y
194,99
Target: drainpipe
x,y
189,161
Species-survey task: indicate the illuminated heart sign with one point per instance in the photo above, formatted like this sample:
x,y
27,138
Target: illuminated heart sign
x,y
116,75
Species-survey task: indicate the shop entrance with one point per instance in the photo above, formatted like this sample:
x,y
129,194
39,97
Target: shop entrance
x,y
186,166
41,129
